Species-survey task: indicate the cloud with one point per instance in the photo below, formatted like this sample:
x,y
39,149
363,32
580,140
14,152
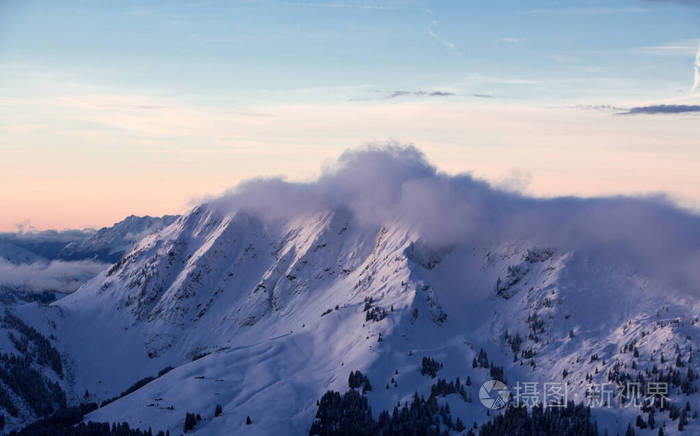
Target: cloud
x,y
600,107
442,40
434,22
662,109
441,94
517,181
676,48
394,185
420,94
41,276
511,40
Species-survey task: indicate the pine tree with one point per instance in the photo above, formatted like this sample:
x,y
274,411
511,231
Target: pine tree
x,y
640,422
190,421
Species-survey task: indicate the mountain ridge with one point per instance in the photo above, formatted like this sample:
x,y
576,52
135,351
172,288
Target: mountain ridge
x,y
368,307
266,298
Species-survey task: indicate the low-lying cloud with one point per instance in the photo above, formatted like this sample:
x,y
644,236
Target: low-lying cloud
x,y
392,184
43,276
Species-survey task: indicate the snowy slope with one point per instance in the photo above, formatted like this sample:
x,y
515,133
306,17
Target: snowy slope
x,y
280,315
263,300
109,244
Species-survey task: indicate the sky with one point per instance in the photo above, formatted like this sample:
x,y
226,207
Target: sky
x,y
115,108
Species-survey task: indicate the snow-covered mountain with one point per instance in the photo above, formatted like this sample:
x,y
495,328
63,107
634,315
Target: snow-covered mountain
x,y
262,303
109,244
16,254
46,265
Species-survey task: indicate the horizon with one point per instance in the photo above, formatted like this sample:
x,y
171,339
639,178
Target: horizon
x,y
110,110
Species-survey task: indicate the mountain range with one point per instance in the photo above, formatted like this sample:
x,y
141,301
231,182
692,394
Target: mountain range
x,y
385,285
45,265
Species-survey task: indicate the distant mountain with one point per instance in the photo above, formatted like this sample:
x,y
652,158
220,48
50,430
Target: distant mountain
x,y
16,254
107,244
43,266
45,244
110,243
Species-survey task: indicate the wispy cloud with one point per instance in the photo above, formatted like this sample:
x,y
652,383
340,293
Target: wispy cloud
x,y
433,34
420,94
511,40
441,40
600,107
675,48
662,109
440,94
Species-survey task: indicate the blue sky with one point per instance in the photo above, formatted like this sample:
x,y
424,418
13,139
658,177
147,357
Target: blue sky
x,y
234,52
203,94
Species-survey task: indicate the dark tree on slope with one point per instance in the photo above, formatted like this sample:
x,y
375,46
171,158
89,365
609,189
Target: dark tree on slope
x,y
518,421
41,351
67,422
430,366
41,394
482,360
191,420
358,380
350,414
20,375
